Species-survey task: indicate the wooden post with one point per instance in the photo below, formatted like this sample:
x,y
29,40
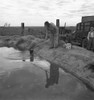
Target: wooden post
x,y
31,55
22,28
58,25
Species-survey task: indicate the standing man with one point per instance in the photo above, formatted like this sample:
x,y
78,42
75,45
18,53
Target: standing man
x,y
53,31
90,38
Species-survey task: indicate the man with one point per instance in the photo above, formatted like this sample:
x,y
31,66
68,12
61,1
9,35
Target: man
x,y
53,32
90,38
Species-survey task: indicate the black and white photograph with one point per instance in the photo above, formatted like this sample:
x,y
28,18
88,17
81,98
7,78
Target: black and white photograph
x,y
46,49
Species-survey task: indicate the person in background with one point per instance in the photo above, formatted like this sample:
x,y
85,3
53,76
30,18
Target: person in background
x,y
90,38
52,30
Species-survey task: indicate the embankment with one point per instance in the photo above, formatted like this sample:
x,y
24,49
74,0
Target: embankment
x,y
72,61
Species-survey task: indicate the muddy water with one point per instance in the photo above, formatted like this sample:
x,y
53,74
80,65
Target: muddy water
x,y
26,81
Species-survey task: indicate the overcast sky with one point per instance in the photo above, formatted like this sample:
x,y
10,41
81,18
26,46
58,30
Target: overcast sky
x,y
36,12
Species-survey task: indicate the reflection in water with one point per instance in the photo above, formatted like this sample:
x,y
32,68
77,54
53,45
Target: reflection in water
x,y
53,76
13,54
28,81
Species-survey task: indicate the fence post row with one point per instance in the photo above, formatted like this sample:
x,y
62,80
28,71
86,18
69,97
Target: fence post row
x,y
22,28
58,25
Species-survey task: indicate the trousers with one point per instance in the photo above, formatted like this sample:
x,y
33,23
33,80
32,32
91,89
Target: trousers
x,y
54,40
91,44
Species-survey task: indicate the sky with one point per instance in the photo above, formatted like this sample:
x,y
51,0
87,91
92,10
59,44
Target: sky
x,y
36,12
